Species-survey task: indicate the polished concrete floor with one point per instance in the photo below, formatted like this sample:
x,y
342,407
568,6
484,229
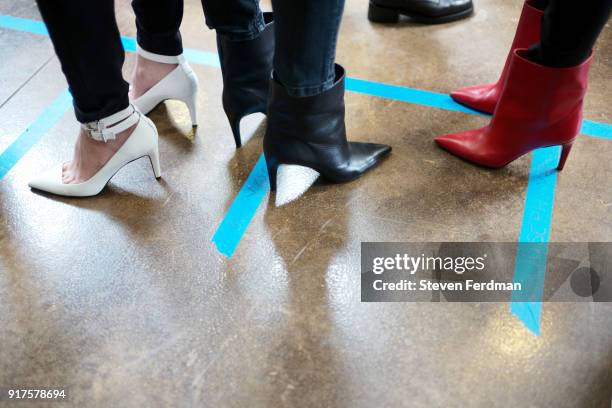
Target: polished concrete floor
x,y
123,299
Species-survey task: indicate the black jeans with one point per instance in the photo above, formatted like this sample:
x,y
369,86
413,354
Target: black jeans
x,y
87,41
569,31
306,34
158,22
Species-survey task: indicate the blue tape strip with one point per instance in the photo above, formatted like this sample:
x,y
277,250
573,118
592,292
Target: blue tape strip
x,y
34,132
596,129
404,94
444,101
530,266
23,24
243,209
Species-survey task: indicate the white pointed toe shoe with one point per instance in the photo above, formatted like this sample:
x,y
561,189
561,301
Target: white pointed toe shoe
x,y
180,84
142,142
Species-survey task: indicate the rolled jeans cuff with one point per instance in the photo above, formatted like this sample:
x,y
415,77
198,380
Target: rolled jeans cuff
x,y
305,91
163,44
109,109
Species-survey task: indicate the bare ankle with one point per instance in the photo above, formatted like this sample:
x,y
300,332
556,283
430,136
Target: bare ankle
x,y
147,74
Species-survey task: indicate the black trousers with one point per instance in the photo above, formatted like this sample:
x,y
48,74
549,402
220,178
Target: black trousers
x,y
158,22
87,42
569,30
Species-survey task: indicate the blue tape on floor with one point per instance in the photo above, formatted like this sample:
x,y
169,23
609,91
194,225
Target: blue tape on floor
x,y
23,24
596,129
34,132
243,209
444,101
530,265
404,94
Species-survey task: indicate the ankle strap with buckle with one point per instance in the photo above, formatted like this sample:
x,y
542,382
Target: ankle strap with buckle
x,y
164,59
107,128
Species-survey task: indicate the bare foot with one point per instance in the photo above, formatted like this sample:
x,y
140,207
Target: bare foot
x,y
91,155
147,74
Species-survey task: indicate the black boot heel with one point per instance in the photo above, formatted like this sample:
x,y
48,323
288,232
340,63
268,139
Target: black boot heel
x,y
246,67
272,166
379,14
235,125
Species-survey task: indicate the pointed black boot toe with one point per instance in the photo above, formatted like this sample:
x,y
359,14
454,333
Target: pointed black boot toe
x,y
246,67
364,156
310,132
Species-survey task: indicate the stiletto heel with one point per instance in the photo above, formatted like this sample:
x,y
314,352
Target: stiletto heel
x,y
272,166
235,125
141,142
246,67
379,14
154,157
180,84
565,151
192,105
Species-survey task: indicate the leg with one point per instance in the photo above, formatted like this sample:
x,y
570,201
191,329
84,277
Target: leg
x,y
238,20
484,97
86,39
158,25
541,102
245,41
306,109
569,32
306,37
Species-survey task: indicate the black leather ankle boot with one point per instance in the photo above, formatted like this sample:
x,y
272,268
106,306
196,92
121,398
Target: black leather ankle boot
x,y
246,67
310,132
422,11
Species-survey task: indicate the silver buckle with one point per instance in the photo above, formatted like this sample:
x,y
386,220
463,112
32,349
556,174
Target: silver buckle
x,y
97,131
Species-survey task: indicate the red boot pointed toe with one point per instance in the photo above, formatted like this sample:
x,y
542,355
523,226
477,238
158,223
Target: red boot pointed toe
x,y
454,143
538,107
484,97
469,146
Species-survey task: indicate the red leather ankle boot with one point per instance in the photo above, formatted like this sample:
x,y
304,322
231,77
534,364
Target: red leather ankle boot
x,y
538,107
485,97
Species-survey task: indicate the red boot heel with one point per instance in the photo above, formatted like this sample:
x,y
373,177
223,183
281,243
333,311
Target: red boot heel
x,y
567,148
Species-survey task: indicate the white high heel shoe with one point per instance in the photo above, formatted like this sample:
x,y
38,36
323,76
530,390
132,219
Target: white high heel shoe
x,y
142,142
180,84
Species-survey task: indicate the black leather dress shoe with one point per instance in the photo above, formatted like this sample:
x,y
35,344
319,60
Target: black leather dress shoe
x,y
422,11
